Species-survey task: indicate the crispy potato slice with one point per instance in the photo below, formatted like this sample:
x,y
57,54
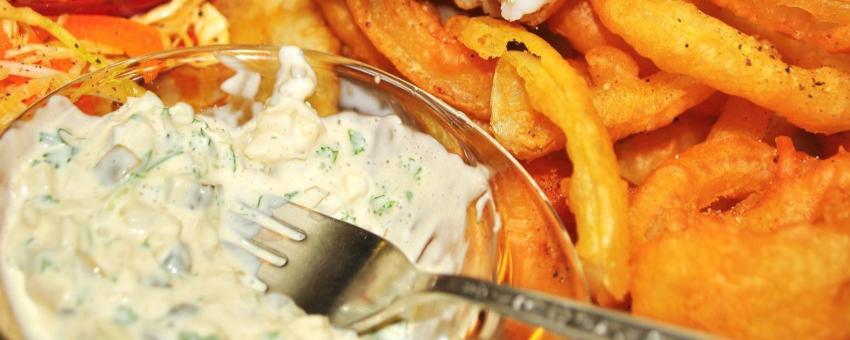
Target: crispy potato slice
x,y
287,22
673,196
639,155
524,132
414,40
598,196
741,118
792,21
629,104
357,45
788,284
681,39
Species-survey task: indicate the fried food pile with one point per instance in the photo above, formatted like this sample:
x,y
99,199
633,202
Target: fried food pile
x,y
707,176
696,147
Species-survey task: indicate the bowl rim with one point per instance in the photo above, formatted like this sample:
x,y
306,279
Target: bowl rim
x,y
246,50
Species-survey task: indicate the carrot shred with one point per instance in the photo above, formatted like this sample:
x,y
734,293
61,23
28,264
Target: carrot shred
x,y
132,37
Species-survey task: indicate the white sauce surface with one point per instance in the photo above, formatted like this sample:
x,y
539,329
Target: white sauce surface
x,y
122,226
513,10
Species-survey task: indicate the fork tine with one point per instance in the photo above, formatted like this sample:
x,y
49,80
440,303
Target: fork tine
x,y
269,255
284,229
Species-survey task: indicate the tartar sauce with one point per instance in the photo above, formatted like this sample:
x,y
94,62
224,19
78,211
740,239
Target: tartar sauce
x,y
123,226
513,10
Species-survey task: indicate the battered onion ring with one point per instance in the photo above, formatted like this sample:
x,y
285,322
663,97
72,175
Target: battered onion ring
x,y
628,104
598,196
741,118
639,155
681,39
792,51
576,22
527,134
357,45
805,190
674,195
413,39
791,283
792,21
836,11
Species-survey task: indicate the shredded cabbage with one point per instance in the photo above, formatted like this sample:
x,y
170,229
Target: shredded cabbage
x,y
177,18
25,15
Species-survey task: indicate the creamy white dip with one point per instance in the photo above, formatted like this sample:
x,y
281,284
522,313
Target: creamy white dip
x,y
122,226
513,10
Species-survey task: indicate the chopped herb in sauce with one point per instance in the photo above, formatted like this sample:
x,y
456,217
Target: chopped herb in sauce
x,y
358,142
124,315
328,152
382,204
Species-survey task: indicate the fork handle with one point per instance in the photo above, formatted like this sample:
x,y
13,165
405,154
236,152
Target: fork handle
x,y
565,317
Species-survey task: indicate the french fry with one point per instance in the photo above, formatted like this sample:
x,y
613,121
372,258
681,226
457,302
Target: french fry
x,y
681,39
414,40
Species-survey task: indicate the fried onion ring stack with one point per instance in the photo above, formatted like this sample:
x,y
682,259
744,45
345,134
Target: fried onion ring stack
x,y
699,145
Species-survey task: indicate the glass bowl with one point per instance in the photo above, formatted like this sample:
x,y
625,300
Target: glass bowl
x,y
522,221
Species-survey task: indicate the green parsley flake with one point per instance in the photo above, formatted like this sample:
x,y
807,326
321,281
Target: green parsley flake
x,y
189,335
413,166
124,315
358,142
382,204
45,264
275,335
290,195
328,152
348,217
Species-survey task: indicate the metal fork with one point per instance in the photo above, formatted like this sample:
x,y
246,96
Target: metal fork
x,y
360,281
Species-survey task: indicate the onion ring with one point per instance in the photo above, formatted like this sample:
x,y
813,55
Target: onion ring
x,y
673,196
357,45
628,104
786,284
598,197
414,40
681,39
792,21
527,134
741,118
